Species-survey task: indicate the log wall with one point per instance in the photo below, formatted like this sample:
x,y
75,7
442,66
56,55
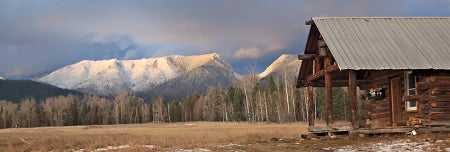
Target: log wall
x,y
433,99
380,108
433,96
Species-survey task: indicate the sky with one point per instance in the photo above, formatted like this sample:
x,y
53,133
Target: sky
x,y
37,37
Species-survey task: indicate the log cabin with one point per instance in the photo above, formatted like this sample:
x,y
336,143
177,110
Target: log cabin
x,y
402,64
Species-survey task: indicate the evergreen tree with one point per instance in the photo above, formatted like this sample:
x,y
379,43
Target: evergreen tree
x,y
219,105
73,110
238,104
83,113
271,86
340,107
175,111
321,103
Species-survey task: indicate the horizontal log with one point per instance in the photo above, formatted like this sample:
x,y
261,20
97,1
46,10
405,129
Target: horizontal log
x,y
380,115
322,72
436,104
335,83
380,110
364,125
432,116
309,22
437,91
437,84
436,110
382,105
440,78
417,115
426,98
443,116
436,123
433,130
333,127
442,104
365,116
439,116
383,130
306,56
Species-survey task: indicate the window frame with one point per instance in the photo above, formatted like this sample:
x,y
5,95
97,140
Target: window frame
x,y
408,88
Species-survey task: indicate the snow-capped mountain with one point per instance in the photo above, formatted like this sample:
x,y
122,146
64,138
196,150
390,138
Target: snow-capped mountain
x,y
285,64
106,77
200,79
1,78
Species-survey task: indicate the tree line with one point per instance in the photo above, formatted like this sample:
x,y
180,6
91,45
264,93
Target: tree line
x,y
248,100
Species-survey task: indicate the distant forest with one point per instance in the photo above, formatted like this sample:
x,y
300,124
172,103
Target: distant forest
x,y
248,101
16,90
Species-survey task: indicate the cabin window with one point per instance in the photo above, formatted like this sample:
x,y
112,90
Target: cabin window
x,y
410,90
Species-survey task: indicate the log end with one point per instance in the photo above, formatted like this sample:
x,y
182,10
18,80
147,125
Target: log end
x,y
433,104
433,116
432,79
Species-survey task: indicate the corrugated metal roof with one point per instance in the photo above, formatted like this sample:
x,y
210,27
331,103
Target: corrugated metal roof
x,y
388,43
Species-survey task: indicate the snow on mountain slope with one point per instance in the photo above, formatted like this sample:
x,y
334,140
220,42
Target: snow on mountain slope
x,y
285,63
1,78
106,77
213,73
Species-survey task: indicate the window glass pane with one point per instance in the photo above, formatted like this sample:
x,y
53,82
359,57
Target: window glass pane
x,y
412,91
411,105
411,84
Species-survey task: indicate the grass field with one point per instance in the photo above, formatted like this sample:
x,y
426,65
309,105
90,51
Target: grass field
x,y
150,137
206,136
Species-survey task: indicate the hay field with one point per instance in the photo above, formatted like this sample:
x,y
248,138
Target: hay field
x,y
145,137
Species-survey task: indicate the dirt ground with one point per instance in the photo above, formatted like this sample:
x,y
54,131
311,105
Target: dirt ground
x,y
206,137
379,143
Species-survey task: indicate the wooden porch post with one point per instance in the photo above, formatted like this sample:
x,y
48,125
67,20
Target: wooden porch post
x,y
310,105
352,94
328,93
316,65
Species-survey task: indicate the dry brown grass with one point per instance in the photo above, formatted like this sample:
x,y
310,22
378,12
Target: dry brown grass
x,y
164,136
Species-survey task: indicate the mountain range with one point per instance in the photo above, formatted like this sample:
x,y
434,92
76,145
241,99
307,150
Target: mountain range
x,y
170,75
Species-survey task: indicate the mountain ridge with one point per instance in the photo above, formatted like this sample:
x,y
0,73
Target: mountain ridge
x,y
286,63
106,77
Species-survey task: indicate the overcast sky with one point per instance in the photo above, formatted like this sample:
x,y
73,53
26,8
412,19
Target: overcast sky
x,y
37,37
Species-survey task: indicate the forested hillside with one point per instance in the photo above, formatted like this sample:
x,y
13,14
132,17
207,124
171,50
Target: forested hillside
x,y
244,101
16,90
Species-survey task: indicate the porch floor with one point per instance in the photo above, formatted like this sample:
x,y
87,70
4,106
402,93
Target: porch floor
x,y
342,128
337,128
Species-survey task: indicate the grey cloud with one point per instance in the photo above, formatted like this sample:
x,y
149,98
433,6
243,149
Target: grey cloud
x,y
37,37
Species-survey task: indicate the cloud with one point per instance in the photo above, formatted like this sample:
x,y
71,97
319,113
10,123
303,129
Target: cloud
x,y
131,54
247,53
45,35
18,71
